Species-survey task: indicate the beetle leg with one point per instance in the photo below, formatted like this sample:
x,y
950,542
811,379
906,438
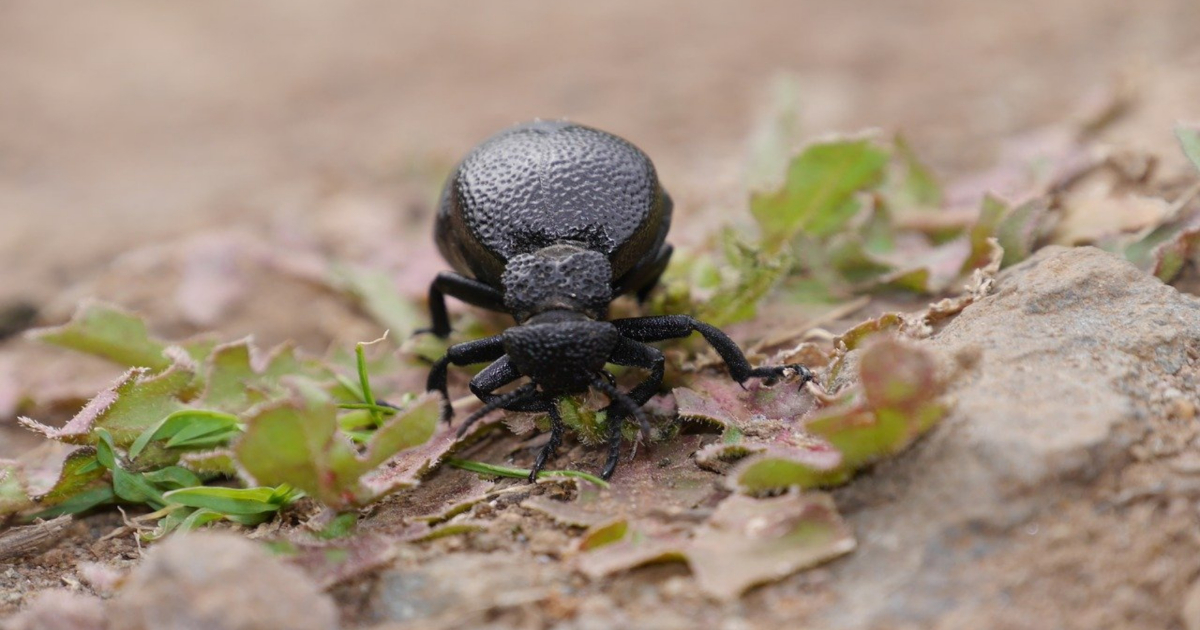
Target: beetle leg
x,y
614,451
556,437
634,354
468,290
498,375
466,353
663,327
526,391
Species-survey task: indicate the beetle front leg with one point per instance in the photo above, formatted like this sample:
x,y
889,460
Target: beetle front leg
x,y
468,290
466,353
556,436
663,327
635,354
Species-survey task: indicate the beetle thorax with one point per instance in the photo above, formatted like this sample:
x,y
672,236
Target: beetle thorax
x,y
560,277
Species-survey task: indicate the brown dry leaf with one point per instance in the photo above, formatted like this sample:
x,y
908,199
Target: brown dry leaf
x,y
623,544
1099,212
661,481
340,561
756,419
751,541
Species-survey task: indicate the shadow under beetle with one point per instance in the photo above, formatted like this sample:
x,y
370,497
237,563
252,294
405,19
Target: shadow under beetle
x,y
549,222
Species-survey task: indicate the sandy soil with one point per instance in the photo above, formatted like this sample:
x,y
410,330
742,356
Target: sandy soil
x,y
136,123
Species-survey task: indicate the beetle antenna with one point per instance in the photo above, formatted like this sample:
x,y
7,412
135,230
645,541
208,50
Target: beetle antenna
x,y
621,398
521,394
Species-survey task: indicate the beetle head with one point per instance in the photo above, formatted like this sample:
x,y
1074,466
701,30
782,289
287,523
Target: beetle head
x,y
559,277
562,351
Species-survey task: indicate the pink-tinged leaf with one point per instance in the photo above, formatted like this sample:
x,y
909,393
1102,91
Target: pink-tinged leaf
x,y
854,338
621,545
296,441
756,420
752,541
748,410
138,400
238,375
1170,257
662,481
406,467
899,404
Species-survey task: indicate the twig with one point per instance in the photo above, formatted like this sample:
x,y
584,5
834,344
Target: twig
x,y
22,541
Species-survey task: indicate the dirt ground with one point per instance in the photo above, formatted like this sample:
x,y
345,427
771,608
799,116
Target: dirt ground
x,y
130,127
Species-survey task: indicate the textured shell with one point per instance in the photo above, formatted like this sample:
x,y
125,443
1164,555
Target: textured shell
x,y
541,183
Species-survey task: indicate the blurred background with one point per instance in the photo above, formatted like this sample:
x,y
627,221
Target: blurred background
x,y
131,121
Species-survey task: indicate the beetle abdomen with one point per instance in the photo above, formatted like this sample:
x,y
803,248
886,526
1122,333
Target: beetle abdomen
x,y
541,183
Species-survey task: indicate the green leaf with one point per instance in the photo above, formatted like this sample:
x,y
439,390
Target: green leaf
x,y
14,496
81,502
232,501
1170,257
184,426
1019,230
341,526
297,442
755,274
215,462
200,518
918,187
986,226
80,473
236,381
1189,139
173,478
108,332
138,401
377,293
131,487
817,196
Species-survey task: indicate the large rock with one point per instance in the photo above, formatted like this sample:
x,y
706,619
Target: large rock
x,y
215,581
57,609
1055,377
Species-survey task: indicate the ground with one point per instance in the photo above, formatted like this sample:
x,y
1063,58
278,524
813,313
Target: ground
x,y
144,144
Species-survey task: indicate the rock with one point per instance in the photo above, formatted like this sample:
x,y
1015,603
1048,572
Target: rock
x,y
1191,608
57,609
217,581
1067,356
447,591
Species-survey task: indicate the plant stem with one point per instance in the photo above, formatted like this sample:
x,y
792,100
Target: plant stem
x,y
519,473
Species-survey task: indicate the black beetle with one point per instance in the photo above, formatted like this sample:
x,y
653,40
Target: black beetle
x,y
549,222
